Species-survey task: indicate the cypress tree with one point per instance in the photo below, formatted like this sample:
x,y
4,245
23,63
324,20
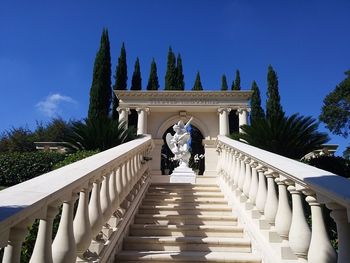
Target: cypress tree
x,y
257,111
224,82
170,75
100,91
121,78
180,84
136,81
273,104
153,83
236,84
197,84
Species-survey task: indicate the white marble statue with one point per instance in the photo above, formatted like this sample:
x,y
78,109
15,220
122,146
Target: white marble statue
x,y
178,143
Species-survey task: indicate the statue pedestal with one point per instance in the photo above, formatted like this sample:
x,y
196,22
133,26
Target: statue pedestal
x,y
183,174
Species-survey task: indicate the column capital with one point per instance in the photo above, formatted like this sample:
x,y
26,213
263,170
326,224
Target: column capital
x,y
126,109
146,109
242,109
221,110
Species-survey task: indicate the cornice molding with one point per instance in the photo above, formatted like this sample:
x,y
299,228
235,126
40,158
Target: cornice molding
x,y
179,97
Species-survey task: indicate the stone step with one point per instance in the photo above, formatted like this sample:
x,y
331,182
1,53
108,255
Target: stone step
x,y
186,230
176,189
187,206
185,219
185,194
180,199
187,243
183,202
178,211
186,257
181,185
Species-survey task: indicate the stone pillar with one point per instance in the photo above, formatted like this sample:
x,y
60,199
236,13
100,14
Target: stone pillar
x,y
156,158
123,114
224,127
142,120
211,157
242,117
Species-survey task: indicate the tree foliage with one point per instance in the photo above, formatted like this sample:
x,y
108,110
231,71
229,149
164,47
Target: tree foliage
x,y
335,111
136,81
334,164
197,84
100,91
171,74
180,83
236,84
293,136
98,135
121,78
257,111
273,104
153,83
224,82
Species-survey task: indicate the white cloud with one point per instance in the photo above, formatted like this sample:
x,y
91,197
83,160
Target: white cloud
x,y
51,105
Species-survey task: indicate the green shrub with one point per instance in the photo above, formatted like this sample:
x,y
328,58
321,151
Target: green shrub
x,y
73,157
18,167
334,164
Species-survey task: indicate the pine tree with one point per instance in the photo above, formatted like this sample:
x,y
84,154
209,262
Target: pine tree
x,y
224,82
121,78
153,83
197,84
257,111
100,91
180,84
136,81
236,84
170,75
273,104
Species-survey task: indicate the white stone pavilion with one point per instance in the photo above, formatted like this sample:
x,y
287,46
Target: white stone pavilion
x,y
159,110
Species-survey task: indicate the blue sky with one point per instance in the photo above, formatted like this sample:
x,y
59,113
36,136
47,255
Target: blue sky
x,y
47,49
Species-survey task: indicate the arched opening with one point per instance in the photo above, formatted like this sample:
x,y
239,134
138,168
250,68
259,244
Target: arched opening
x,y
197,159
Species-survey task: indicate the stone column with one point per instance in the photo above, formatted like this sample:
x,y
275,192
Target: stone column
x,y
142,120
242,117
224,128
123,114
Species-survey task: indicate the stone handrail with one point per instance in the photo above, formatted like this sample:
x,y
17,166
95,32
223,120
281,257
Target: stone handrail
x,y
105,185
250,176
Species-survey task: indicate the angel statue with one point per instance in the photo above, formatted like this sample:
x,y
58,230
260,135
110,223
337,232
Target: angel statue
x,y
178,143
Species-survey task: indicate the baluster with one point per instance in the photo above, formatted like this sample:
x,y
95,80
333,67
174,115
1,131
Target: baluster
x,y
299,232
112,189
106,208
95,212
284,212
248,177
320,249
229,165
42,252
224,171
237,171
81,223
124,182
233,168
12,252
271,205
63,246
254,183
241,175
262,192
340,216
128,176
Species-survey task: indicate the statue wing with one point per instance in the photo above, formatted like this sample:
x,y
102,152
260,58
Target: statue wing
x,y
168,138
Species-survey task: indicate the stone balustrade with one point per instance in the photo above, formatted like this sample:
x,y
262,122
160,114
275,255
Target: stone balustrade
x,y
93,194
269,192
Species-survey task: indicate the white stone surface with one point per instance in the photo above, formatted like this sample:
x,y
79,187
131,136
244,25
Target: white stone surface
x,y
183,174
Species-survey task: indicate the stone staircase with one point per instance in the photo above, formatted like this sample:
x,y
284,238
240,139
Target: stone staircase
x,y
186,223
